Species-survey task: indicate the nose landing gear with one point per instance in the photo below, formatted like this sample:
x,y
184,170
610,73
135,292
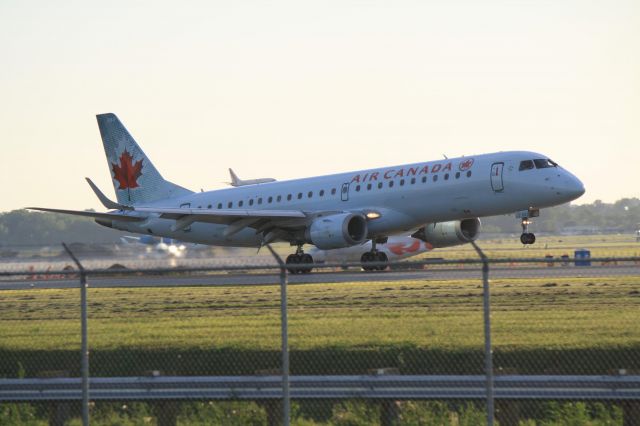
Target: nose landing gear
x,y
526,215
301,262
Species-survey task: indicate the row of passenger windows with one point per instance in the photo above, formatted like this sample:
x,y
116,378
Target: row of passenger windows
x,y
321,193
412,181
541,163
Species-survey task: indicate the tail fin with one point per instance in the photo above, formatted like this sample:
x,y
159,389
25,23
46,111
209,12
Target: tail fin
x,y
135,179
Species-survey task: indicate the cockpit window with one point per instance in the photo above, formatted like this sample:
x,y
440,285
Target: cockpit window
x,y
544,163
526,165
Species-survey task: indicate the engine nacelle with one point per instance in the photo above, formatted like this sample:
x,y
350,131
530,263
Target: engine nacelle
x,y
337,231
449,234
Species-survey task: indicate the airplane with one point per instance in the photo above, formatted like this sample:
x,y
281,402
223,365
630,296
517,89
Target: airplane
x,y
329,212
439,235
236,181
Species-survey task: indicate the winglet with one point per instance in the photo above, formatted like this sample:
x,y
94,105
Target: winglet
x,y
104,200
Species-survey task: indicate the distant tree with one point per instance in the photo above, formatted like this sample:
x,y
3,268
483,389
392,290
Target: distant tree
x,y
22,227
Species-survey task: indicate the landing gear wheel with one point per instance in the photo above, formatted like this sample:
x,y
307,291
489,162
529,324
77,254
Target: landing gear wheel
x,y
307,261
365,259
374,257
527,238
293,260
301,263
382,258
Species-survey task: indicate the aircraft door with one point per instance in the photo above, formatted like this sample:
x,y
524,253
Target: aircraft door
x,y
344,194
496,177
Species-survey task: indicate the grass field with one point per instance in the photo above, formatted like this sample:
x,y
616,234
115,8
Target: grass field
x,y
420,327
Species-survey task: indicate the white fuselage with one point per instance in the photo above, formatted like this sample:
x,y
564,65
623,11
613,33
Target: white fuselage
x,y
405,197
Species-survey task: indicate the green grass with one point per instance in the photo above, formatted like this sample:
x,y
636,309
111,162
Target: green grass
x,y
423,326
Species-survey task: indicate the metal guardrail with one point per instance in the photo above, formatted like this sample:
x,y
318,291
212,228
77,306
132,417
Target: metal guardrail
x,y
328,387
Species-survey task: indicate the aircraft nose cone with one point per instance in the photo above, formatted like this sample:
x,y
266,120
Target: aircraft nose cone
x,y
573,188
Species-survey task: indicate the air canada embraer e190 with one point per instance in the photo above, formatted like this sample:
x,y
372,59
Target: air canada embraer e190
x,y
435,201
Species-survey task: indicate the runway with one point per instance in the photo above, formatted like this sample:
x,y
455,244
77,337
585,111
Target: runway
x,y
324,277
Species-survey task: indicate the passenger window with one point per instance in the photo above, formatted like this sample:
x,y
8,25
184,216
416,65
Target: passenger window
x,y
299,195
279,198
413,181
368,187
230,205
260,200
289,197
310,194
446,176
209,206
526,165
435,178
269,200
240,203
251,202
219,205
379,185
457,175
357,188
544,163
390,184
322,192
401,182
333,191
469,173
424,179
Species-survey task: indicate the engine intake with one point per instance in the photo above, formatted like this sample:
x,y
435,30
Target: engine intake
x,y
337,231
449,234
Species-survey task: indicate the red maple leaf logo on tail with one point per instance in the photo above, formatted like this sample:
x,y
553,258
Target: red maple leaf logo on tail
x,y
127,173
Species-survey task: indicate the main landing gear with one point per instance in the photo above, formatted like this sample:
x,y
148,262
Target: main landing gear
x,y
526,215
299,262
374,256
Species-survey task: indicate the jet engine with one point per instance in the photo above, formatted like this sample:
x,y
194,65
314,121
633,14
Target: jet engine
x,y
449,234
337,231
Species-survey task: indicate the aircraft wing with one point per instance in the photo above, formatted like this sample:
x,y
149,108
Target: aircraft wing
x,y
236,219
174,213
278,223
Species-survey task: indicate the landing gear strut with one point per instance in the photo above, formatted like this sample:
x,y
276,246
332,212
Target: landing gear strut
x,y
300,262
526,215
372,256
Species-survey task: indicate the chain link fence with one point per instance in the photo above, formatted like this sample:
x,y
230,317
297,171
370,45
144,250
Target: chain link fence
x,y
198,340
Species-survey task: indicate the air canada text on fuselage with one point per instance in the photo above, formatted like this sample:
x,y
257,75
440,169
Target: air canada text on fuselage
x,y
418,170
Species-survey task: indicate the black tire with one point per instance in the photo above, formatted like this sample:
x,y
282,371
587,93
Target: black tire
x,y
524,239
382,257
532,238
293,259
365,259
307,261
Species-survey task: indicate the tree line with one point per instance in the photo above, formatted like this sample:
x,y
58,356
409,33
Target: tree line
x,y
25,228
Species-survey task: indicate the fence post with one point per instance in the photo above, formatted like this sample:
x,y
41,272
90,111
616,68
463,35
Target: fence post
x,y
286,403
488,358
84,331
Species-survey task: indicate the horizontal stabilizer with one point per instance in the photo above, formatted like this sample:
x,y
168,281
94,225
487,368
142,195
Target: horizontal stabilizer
x,y
96,215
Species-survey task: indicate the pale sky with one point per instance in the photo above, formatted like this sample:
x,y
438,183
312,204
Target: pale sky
x,y
289,89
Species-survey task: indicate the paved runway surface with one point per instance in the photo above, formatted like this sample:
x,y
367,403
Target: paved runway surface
x,y
320,276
